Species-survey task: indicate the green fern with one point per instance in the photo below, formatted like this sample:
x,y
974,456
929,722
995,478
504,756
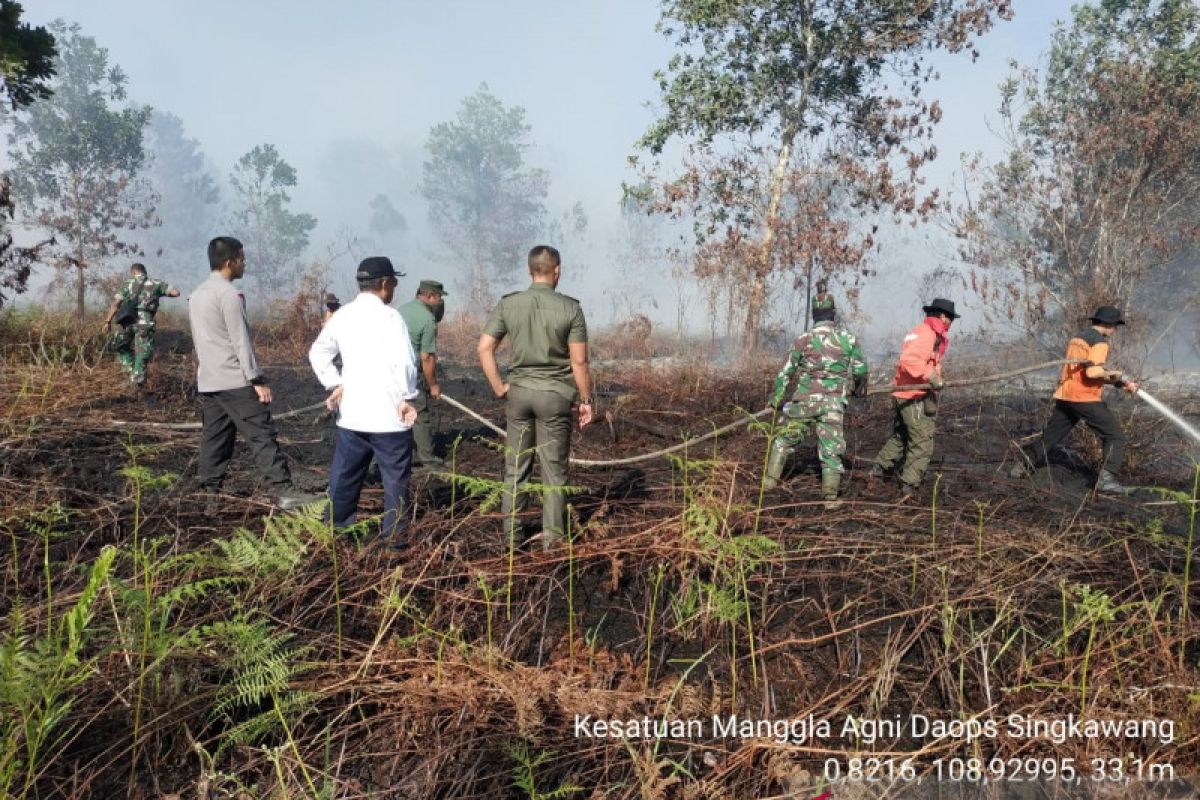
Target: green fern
x,y
491,491
263,664
279,549
292,705
525,779
37,678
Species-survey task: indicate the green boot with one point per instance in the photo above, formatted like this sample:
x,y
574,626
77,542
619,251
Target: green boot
x,y
830,483
775,464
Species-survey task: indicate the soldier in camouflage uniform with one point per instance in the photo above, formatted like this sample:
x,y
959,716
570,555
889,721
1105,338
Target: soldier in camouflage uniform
x,y
134,344
822,299
831,365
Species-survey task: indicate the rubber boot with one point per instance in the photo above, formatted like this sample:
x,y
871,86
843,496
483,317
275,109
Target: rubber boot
x,y
830,483
775,464
874,476
1023,467
1108,483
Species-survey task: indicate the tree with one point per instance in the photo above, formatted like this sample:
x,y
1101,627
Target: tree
x,y
274,237
385,219
1095,202
26,67
26,57
772,84
187,195
485,206
76,159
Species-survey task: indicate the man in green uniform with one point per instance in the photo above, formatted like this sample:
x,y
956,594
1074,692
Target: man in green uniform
x,y
422,315
548,371
134,342
830,366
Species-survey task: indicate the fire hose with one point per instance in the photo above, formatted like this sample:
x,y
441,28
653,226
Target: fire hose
x,y
692,442
618,462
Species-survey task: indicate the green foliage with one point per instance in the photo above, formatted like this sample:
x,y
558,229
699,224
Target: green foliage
x,y
26,57
786,67
38,681
788,118
263,665
525,779
279,549
275,238
484,204
1093,203
76,159
489,491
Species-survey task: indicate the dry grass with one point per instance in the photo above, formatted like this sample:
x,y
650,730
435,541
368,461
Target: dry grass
x,y
687,593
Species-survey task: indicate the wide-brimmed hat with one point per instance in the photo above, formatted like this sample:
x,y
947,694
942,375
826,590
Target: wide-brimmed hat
x,y
1107,315
941,306
376,267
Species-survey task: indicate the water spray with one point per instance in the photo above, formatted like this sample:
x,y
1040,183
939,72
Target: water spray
x,y
1161,408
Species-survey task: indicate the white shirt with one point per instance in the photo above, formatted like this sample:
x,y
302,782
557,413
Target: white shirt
x,y
378,366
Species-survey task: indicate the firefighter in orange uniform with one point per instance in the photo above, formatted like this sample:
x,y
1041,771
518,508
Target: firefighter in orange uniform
x,y
915,410
1077,399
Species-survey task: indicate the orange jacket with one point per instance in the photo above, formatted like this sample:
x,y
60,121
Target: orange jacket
x,y
1074,385
920,359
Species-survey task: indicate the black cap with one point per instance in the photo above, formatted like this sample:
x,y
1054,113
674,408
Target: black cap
x,y
941,306
376,267
1107,315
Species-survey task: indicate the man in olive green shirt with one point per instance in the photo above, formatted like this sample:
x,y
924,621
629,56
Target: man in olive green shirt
x,y
547,373
422,315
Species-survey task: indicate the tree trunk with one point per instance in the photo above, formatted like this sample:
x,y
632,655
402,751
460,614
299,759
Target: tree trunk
x,y
79,291
762,269
79,265
808,271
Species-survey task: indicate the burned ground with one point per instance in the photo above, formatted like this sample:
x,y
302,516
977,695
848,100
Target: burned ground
x,y
257,653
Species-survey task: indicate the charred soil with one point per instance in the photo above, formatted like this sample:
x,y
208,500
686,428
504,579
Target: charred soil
x,y
245,653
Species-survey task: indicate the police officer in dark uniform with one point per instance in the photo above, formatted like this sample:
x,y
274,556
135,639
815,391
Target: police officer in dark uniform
x,y
547,374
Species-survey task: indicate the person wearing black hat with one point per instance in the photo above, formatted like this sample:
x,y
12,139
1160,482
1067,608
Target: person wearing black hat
x,y
372,393
915,409
1078,399
422,315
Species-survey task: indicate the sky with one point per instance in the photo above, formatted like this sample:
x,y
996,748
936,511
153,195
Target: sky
x,y
348,92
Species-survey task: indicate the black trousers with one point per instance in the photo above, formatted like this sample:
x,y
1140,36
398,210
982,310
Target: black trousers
x,y
1096,416
227,413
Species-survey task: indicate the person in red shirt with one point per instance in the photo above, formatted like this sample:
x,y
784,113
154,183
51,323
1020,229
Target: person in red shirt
x,y
1078,399
915,409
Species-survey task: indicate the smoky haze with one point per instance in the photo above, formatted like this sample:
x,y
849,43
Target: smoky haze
x,y
349,93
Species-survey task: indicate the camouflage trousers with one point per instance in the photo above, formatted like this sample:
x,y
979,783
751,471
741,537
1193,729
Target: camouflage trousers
x,y
134,347
831,439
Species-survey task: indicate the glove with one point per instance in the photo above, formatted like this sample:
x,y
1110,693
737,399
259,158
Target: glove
x,y
860,386
935,381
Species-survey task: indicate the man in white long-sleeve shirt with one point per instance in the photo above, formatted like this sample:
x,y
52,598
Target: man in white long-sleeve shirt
x,y
371,392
